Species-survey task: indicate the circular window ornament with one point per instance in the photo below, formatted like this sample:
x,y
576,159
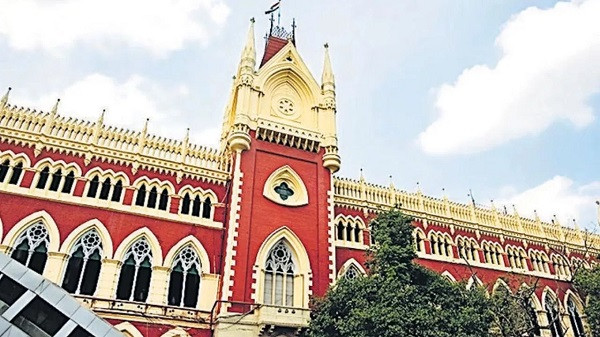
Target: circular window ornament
x,y
285,106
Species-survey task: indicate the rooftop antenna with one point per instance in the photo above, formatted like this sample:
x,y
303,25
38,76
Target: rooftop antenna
x,y
471,195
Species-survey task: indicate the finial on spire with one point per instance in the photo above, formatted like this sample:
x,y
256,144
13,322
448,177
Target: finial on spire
x,y
186,139
392,183
575,225
362,178
4,99
327,77
55,107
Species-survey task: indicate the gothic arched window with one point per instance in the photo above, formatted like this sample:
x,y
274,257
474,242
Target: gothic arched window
x,y
534,325
575,318
184,281
93,188
43,179
352,272
56,178
4,170
206,208
279,276
134,281
31,247
553,316
83,268
16,174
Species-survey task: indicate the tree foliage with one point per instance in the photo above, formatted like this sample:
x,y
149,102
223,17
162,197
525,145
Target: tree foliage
x,y
587,282
514,314
399,297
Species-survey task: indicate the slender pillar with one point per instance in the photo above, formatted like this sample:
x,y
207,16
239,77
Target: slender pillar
x,y
109,276
54,266
158,285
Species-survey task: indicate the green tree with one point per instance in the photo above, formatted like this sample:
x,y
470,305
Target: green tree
x,y
587,282
514,314
399,297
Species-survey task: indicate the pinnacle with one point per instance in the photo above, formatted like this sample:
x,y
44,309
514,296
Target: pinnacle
x,y
327,77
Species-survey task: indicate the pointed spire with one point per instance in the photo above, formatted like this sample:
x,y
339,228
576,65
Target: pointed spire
x,y
362,178
4,99
186,139
145,130
101,118
575,225
249,53
327,78
55,108
392,183
515,211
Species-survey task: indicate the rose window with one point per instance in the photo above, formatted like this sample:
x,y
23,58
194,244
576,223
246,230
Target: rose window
x,y
286,107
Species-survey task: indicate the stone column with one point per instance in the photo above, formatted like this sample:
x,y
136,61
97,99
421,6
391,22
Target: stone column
x,y
109,276
158,285
55,266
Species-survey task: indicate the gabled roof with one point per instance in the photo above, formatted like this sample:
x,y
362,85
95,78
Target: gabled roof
x,y
273,46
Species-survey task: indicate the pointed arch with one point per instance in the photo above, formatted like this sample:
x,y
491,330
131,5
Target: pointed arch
x,y
157,256
299,257
198,190
129,328
71,239
549,292
198,247
154,182
449,276
500,283
55,164
16,231
8,154
176,332
107,173
286,176
351,262
571,295
474,281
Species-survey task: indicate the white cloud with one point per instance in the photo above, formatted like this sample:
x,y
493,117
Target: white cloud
x,y
558,196
127,105
549,68
157,25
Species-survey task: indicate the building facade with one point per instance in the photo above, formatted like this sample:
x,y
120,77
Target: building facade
x,y
163,237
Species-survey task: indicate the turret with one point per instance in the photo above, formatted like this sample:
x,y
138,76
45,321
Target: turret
x,y
331,158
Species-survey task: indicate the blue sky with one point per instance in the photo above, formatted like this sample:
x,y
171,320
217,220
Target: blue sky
x,y
497,96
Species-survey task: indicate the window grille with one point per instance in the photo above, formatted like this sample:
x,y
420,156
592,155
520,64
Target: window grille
x,y
184,280
32,246
134,280
279,276
83,267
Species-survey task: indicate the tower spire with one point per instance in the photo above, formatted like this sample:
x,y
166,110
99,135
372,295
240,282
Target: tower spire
x,y
249,53
327,78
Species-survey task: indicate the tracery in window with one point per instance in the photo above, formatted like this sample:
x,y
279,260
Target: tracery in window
x,y
553,316
575,318
534,325
184,282
31,247
83,267
134,279
279,276
352,273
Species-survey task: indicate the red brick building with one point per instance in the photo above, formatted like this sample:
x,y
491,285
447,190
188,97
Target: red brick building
x,y
166,238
